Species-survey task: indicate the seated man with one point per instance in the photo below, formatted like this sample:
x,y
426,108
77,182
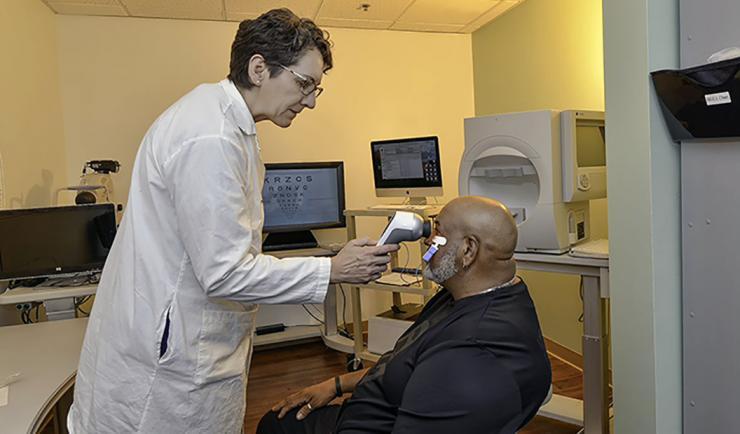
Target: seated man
x,y
473,362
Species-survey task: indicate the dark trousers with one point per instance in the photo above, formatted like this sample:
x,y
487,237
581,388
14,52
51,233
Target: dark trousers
x,y
320,421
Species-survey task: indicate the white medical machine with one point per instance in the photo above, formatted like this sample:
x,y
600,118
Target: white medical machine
x,y
544,166
405,226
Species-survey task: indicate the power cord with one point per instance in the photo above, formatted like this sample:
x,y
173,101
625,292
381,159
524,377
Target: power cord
x,y
25,312
405,267
311,315
78,279
26,283
79,301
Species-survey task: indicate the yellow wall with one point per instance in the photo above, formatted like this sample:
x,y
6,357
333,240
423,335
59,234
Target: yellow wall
x,y
31,137
118,74
545,54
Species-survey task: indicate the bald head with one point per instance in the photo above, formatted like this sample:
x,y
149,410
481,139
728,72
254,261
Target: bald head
x,y
481,237
488,220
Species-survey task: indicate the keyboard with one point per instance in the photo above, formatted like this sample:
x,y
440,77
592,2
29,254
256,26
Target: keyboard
x,y
598,249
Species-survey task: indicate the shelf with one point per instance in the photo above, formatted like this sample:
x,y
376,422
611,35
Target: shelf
x,y
416,288
564,409
377,212
299,253
291,333
26,295
371,357
339,343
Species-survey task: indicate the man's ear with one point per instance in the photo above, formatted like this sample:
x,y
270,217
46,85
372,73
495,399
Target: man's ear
x,y
471,246
257,69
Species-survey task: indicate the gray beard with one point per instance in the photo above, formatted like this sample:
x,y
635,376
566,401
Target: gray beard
x,y
444,270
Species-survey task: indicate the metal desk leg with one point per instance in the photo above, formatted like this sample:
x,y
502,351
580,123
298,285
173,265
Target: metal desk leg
x,y
595,381
330,311
357,322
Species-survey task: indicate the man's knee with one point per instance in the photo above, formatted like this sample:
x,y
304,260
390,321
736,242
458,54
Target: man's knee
x,y
269,424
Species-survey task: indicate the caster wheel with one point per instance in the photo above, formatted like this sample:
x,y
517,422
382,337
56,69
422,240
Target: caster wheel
x,y
354,363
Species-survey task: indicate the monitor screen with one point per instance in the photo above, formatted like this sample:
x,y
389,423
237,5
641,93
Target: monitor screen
x,y
303,196
406,163
57,240
591,146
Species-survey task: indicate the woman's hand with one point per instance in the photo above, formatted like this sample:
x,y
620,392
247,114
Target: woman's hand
x,y
309,399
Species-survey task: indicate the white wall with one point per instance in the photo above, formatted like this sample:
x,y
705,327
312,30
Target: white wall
x,y
31,136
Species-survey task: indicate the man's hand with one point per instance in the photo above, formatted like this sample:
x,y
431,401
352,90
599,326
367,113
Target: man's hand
x,y
360,261
310,398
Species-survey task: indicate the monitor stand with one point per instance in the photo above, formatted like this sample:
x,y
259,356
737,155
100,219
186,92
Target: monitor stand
x,y
417,200
289,241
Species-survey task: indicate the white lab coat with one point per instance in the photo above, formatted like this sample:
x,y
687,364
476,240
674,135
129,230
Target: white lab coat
x,y
187,253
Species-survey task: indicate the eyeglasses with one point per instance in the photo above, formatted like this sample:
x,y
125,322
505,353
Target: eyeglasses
x,y
307,84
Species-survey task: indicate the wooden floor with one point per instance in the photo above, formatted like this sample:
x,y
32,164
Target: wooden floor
x,y
276,373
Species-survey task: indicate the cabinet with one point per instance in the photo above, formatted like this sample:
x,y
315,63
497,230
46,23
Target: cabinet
x,y
298,333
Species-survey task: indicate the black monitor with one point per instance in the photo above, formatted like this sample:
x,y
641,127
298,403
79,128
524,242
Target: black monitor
x,y
37,242
299,197
407,168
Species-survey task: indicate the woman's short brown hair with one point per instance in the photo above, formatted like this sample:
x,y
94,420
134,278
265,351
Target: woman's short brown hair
x,y
281,37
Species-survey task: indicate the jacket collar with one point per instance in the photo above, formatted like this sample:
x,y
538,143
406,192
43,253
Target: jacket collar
x,y
241,112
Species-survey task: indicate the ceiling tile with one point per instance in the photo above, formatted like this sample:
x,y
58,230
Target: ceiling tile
x,y
253,8
446,11
427,27
83,2
87,7
379,10
240,16
354,24
458,16
188,9
493,13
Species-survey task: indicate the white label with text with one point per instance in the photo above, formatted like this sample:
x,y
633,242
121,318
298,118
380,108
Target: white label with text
x,y
718,98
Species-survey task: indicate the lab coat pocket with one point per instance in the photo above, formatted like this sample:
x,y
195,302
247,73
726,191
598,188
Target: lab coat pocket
x,y
224,344
164,341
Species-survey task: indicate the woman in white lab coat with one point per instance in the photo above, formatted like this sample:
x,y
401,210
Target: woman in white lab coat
x,y
169,336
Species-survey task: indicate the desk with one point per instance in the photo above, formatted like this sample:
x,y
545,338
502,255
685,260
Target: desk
x,y
58,300
46,354
27,295
595,275
328,332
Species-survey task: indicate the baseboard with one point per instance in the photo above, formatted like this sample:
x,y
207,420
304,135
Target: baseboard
x,y
568,356
564,353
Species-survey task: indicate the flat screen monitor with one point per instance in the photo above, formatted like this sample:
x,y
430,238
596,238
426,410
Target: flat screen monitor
x,y
300,197
407,167
38,242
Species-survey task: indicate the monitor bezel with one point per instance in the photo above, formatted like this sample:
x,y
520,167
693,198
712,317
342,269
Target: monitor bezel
x,y
57,271
339,166
397,189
